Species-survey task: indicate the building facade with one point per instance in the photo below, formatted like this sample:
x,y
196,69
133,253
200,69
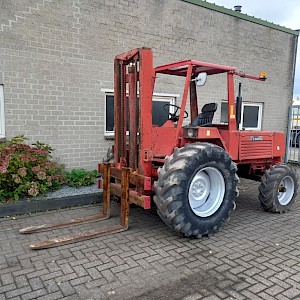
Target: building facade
x,y
56,71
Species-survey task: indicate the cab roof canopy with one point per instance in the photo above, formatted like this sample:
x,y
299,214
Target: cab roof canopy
x,y
180,68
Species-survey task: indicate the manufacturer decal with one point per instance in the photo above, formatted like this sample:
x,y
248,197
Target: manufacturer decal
x,y
256,138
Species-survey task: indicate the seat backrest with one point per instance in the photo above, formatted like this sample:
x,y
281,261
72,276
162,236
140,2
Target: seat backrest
x,y
206,116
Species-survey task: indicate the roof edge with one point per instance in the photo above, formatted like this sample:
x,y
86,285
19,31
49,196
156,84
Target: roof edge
x,y
239,15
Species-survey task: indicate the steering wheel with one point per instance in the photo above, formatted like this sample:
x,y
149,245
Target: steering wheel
x,y
175,115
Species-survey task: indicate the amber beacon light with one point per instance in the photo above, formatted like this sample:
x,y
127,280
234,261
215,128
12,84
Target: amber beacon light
x,y
263,75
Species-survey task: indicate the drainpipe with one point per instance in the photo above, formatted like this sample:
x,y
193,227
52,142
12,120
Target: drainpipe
x,y
288,135
294,58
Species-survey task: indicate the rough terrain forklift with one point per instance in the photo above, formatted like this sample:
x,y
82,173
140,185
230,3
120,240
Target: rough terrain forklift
x,y
190,169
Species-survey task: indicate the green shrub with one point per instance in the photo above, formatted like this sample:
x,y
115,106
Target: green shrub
x,y
80,177
27,170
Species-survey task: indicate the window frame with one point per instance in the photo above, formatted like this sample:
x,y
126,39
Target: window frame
x,y
260,106
2,113
259,117
163,97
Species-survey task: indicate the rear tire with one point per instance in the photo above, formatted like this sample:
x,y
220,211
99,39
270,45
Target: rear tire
x,y
278,188
196,189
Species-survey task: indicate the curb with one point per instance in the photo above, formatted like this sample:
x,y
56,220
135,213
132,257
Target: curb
x,y
26,206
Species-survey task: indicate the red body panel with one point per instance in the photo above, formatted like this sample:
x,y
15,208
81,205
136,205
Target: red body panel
x,y
279,144
230,139
164,141
255,145
245,146
260,144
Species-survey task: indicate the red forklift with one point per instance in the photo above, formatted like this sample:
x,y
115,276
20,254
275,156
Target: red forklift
x,y
189,166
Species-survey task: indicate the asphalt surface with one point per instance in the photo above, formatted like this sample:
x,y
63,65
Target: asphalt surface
x,y
256,255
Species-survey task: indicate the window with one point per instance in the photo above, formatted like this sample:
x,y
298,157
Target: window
x,y
159,115
251,115
2,120
109,117
224,114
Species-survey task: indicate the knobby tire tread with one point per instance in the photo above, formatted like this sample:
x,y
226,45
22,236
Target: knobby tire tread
x,y
268,189
171,188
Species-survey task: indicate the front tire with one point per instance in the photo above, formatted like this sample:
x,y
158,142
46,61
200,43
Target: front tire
x,y
278,188
196,189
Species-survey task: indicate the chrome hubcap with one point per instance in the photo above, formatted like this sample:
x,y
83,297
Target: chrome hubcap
x,y
206,192
286,190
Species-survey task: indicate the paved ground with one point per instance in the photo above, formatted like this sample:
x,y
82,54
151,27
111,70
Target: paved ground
x,y
255,256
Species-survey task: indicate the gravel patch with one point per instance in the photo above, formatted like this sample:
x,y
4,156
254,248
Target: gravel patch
x,y
67,191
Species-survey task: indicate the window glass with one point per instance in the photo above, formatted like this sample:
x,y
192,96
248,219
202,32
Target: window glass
x,y
109,113
159,114
224,112
250,116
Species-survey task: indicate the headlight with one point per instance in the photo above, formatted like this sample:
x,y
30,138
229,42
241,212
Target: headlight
x,y
190,132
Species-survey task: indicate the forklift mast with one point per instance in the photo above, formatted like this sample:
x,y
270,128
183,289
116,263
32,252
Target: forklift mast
x,y
134,76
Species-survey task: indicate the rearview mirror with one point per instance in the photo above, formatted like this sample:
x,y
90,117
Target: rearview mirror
x,y
201,79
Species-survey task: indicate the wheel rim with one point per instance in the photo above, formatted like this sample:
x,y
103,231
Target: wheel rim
x,y
206,191
286,190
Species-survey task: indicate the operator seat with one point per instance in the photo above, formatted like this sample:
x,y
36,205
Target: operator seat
x,y
206,116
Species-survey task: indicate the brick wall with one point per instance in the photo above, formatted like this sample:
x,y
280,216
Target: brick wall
x,y
58,55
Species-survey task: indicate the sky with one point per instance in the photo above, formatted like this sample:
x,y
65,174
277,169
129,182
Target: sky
x,y
285,13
